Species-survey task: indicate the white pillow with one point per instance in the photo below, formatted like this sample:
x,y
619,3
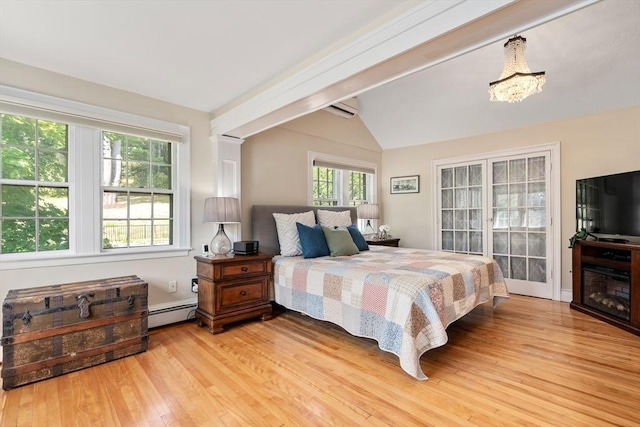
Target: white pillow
x,y
332,219
288,232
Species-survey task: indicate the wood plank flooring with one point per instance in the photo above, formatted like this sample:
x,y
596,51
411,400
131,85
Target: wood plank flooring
x,y
528,362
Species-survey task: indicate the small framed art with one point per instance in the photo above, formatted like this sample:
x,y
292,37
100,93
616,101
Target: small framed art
x,y
405,184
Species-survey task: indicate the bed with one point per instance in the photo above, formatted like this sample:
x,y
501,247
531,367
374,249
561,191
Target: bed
x,y
401,297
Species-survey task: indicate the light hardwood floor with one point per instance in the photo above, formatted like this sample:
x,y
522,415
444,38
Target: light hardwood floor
x,y
528,362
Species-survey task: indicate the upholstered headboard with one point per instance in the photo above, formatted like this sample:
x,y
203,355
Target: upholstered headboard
x,y
264,225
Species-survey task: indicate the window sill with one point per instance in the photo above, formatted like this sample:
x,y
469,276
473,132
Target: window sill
x,y
13,262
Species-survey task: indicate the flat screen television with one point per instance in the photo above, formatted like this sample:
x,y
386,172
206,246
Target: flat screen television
x,y
609,206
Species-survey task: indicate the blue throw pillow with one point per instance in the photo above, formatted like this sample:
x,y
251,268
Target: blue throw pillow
x,y
358,238
312,241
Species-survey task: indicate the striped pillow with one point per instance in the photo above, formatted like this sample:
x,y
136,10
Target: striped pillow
x,y
288,232
334,219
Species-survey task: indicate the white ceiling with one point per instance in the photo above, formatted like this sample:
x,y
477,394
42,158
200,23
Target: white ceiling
x,y
195,53
210,54
592,62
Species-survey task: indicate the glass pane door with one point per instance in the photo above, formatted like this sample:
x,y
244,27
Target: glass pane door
x,y
461,208
518,239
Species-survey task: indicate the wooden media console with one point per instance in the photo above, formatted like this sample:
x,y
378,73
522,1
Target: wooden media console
x,y
606,282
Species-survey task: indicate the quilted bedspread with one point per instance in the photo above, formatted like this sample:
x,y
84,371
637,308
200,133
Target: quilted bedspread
x,y
403,298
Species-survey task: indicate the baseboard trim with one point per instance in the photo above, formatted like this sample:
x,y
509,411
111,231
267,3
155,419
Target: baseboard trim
x,y
566,296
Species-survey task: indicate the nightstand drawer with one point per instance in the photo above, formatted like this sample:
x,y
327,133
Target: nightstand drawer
x,y
231,295
230,271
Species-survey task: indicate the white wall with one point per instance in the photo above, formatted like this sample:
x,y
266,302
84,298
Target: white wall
x,y
157,272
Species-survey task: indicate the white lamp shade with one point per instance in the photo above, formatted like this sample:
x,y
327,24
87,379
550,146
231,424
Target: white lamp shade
x,y
221,209
368,211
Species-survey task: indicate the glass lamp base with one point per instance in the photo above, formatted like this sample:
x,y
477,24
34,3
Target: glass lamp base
x,y
220,244
368,229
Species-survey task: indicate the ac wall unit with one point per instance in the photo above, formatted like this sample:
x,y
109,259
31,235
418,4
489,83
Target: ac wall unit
x,y
346,108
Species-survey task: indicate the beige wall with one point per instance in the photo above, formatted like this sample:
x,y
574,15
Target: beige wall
x,y
157,271
274,170
589,146
275,162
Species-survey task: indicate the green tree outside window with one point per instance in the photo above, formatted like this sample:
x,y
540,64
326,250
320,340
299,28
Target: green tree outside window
x,y
34,193
137,202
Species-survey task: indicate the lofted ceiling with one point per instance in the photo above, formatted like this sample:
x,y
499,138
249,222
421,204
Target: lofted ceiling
x,y
592,62
220,56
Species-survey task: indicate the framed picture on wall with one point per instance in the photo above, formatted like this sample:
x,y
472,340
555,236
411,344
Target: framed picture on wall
x,y
405,184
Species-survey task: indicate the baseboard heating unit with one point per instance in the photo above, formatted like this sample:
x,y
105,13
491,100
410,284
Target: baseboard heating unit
x,y
173,312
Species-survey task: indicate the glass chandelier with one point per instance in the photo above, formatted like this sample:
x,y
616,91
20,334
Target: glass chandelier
x,y
516,81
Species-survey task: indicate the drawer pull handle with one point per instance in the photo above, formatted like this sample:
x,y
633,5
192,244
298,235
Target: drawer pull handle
x,y
243,293
245,269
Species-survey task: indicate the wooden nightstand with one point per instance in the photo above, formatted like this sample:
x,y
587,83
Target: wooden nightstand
x,y
384,242
232,289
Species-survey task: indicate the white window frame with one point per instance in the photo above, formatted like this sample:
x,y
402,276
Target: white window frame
x,y
343,179
85,183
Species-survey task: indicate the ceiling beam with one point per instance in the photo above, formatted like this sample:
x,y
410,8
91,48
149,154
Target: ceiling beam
x,y
422,37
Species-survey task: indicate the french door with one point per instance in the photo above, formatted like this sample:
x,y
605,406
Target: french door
x,y
500,207
462,208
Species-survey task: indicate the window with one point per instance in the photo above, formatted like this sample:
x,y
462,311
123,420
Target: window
x,y
357,188
341,182
34,187
78,181
324,187
137,198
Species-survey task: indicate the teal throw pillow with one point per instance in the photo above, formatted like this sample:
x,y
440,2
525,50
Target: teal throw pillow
x,y
312,241
358,238
339,242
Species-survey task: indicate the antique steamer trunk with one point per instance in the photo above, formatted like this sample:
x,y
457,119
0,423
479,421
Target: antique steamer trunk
x,y
51,330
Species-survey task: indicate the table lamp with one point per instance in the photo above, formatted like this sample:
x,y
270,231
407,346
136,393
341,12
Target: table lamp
x,y
223,210
368,212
